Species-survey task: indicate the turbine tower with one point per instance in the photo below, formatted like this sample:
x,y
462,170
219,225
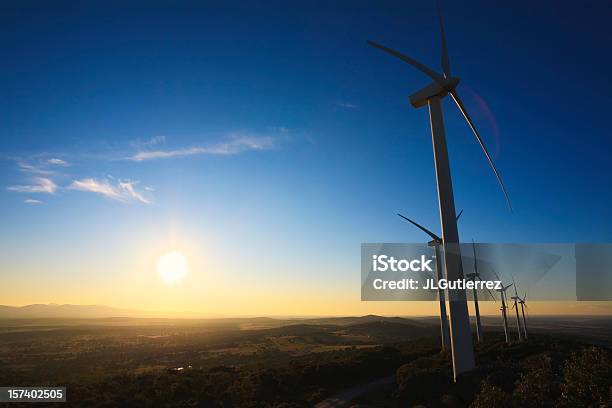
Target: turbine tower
x,y
431,95
473,276
515,307
523,306
504,307
436,242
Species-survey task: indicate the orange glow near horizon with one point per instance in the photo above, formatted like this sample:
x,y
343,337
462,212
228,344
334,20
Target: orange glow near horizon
x,y
201,277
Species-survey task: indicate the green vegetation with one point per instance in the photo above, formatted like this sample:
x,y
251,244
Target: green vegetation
x,y
546,371
296,364
301,383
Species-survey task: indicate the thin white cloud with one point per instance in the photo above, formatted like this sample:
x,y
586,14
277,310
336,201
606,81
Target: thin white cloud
x,y
57,162
347,105
32,201
127,189
235,145
41,185
34,169
148,143
40,166
123,191
156,140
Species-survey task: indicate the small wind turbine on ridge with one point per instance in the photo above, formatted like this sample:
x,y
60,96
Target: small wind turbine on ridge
x,y
436,242
504,307
523,307
473,276
516,299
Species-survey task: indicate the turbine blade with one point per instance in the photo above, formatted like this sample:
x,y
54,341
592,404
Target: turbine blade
x,y
491,294
459,216
514,283
444,57
488,290
461,107
496,275
422,228
423,68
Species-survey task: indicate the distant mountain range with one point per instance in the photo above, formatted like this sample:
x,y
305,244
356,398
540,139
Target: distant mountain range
x,y
68,311
52,310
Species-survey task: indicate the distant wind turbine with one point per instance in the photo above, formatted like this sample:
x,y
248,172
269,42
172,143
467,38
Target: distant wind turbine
x,y
504,307
473,276
523,306
436,242
516,299
431,95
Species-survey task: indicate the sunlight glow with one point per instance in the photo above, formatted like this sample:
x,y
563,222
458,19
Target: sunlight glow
x,y
172,267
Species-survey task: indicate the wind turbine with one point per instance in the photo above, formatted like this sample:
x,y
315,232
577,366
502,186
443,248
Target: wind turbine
x,y
515,307
502,293
431,95
436,242
523,306
473,276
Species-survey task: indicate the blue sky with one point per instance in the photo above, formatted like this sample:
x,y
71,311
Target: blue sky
x,y
266,136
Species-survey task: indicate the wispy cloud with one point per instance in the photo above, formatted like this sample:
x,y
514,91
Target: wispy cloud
x,y
34,169
41,169
123,190
235,144
148,143
57,162
40,185
42,166
347,105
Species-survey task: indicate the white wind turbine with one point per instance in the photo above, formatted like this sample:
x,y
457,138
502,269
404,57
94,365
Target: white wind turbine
x,y
516,299
504,307
473,276
444,84
436,242
523,306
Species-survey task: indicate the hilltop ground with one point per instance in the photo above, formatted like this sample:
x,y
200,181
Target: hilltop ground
x,y
297,363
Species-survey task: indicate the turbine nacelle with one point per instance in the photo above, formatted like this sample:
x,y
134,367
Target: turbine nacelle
x,y
503,289
442,85
440,88
434,243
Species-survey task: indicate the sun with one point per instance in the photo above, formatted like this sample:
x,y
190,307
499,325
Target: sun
x,y
172,267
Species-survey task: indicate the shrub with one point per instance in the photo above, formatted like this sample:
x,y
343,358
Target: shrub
x,y
491,396
539,386
588,376
419,382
